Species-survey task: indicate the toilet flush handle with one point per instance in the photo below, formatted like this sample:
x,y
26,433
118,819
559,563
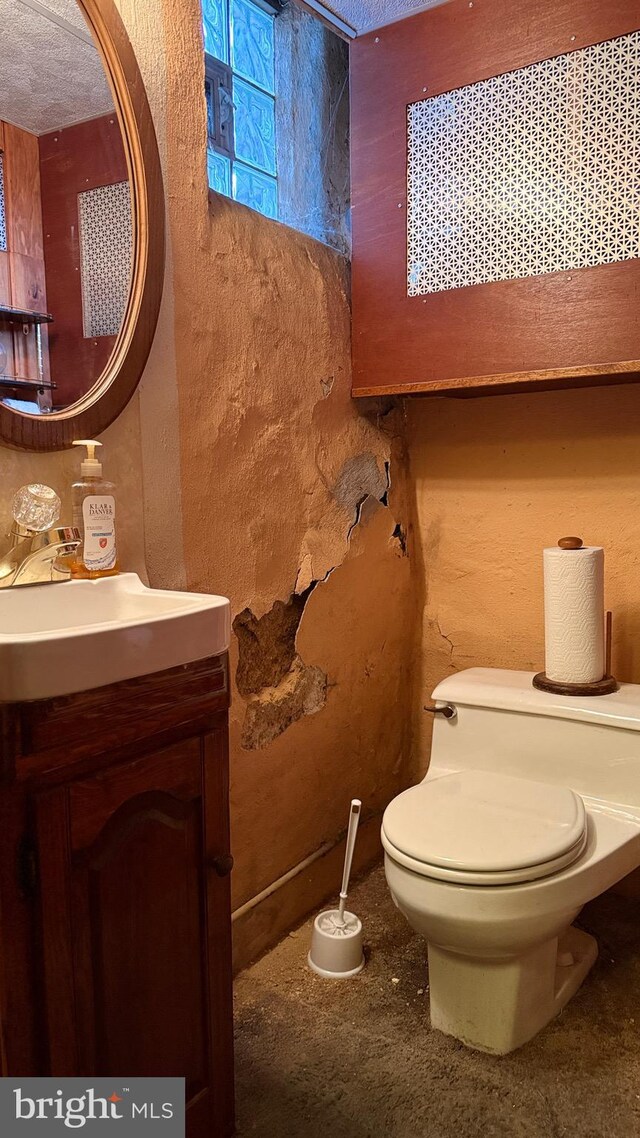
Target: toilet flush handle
x,y
445,709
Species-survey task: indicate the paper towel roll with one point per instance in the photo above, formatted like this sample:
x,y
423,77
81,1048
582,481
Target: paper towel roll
x,y
574,614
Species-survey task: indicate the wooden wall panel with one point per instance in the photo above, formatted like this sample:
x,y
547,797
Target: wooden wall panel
x,y
6,335
558,329
22,192
72,160
22,280
28,290
5,279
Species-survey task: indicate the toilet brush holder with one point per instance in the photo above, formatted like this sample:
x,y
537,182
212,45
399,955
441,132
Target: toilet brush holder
x,y
336,947
336,940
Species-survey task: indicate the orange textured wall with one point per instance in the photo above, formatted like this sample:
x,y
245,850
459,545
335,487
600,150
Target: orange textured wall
x,y
495,480
284,482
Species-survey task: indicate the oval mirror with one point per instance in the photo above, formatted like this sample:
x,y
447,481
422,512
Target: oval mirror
x,y
81,221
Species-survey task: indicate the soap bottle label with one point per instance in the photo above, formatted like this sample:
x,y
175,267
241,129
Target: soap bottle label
x,y
99,519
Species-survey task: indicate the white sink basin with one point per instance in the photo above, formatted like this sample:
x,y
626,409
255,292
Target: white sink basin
x,y
63,638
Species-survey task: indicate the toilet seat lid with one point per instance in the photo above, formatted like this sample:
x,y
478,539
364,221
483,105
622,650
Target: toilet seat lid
x,y
483,822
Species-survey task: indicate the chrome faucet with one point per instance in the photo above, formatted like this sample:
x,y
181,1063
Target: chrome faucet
x,y
39,550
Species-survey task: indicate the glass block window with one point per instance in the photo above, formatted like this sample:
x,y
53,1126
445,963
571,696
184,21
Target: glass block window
x,y
536,171
219,169
3,216
239,44
216,29
254,127
252,44
255,189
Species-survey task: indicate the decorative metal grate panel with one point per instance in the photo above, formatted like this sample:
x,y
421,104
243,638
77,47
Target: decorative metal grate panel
x,y
104,216
3,215
535,171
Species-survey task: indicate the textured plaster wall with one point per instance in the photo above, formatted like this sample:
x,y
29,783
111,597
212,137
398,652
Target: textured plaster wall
x,y
282,477
496,479
245,469
159,468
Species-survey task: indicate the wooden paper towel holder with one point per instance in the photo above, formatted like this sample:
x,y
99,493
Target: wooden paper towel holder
x,y
605,686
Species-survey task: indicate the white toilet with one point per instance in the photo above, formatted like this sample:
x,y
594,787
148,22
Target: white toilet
x,y
530,808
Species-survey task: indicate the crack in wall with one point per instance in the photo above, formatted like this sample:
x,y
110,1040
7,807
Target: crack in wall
x,y
446,638
384,498
399,535
356,520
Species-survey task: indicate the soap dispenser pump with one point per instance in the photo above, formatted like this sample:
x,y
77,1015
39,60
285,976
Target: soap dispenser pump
x,y
94,514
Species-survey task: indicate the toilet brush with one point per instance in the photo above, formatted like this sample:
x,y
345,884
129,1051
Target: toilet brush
x,y
336,941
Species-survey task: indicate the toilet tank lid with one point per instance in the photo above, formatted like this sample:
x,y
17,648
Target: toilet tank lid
x,y
514,691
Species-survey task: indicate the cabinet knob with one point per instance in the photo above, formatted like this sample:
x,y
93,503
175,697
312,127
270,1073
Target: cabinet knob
x,y
222,864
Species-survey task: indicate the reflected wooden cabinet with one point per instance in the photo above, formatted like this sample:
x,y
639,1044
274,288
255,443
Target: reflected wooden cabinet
x,y
115,887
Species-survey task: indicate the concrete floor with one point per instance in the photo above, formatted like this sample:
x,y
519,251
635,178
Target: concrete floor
x,y
357,1058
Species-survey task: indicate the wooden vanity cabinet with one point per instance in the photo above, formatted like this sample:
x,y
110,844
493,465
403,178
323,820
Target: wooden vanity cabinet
x,y
115,928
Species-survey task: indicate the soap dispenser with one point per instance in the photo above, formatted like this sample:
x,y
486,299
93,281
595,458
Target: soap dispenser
x,y
94,514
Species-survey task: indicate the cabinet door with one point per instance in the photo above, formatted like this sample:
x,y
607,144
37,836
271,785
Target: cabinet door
x,y
136,924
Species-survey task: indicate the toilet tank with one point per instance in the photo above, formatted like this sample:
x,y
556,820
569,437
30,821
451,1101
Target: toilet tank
x,y
504,724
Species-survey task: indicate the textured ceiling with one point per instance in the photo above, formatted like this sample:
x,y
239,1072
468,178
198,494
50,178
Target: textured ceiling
x,y
51,75
363,15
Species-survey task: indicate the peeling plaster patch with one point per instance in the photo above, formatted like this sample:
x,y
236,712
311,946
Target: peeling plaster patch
x,y
400,536
370,506
303,691
359,481
364,512
327,385
305,575
356,520
279,686
360,478
267,645
387,473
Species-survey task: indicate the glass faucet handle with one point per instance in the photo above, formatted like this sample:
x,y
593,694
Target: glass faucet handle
x,y
36,507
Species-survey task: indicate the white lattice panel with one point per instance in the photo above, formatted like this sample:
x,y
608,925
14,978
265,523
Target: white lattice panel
x,y
531,172
105,257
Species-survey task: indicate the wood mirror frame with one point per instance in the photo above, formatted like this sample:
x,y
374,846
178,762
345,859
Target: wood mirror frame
x,y
91,414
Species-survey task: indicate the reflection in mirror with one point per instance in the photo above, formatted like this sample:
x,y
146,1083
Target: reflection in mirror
x,y
65,208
